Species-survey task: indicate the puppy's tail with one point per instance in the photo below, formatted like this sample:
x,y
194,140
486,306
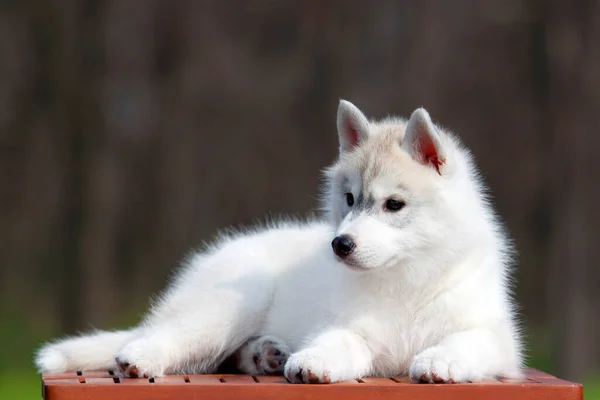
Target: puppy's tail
x,y
87,352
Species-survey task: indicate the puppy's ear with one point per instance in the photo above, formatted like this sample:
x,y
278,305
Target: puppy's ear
x,y
352,126
422,140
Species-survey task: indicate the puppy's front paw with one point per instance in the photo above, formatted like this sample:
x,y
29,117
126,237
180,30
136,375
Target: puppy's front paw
x,y
437,365
307,366
140,359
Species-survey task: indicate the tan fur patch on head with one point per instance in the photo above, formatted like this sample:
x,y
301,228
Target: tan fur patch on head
x,y
380,157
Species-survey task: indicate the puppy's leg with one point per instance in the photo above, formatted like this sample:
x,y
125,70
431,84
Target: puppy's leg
x,y
207,314
334,356
467,356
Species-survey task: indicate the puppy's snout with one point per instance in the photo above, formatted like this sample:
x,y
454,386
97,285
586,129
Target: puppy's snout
x,y
343,245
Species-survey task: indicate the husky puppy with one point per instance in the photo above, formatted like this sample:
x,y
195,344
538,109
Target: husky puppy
x,y
407,274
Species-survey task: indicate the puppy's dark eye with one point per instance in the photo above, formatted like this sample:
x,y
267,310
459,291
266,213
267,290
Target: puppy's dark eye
x,y
394,205
349,199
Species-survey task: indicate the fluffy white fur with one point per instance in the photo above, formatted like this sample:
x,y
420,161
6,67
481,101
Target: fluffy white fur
x,y
425,292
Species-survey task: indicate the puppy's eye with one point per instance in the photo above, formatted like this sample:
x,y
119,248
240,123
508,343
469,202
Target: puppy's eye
x,y
394,205
349,199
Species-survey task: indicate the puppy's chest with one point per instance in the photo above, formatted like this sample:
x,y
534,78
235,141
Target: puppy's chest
x,y
395,333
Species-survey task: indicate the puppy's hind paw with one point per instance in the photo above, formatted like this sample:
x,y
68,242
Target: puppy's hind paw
x,y
140,359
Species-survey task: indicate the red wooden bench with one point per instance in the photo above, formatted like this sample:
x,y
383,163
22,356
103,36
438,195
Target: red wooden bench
x,y
95,385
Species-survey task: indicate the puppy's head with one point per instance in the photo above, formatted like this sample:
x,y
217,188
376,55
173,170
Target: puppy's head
x,y
391,194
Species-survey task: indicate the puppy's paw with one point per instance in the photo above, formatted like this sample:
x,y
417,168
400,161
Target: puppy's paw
x,y
437,365
140,359
264,355
307,366
270,355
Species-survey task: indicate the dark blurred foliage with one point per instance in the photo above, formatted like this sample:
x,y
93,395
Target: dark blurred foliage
x,y
130,131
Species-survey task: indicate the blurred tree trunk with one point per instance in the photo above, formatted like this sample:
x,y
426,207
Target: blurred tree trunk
x,y
76,64
572,125
65,93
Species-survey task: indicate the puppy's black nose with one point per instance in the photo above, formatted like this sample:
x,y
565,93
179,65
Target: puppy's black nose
x,y
343,245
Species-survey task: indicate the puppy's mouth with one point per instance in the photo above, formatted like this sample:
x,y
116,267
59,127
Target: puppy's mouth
x,y
352,264
357,268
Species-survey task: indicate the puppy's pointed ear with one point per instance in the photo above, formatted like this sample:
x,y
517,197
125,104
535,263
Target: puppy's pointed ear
x,y
422,140
352,126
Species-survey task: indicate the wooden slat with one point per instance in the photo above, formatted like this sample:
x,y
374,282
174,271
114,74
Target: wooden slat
x,y
73,375
272,380
378,381
402,379
238,379
96,385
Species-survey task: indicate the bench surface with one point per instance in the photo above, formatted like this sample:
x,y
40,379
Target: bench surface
x,y
92,385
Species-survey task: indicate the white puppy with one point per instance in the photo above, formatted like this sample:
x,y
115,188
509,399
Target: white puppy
x,y
417,281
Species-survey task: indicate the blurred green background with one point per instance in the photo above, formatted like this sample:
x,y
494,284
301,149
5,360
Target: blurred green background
x,y
131,131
